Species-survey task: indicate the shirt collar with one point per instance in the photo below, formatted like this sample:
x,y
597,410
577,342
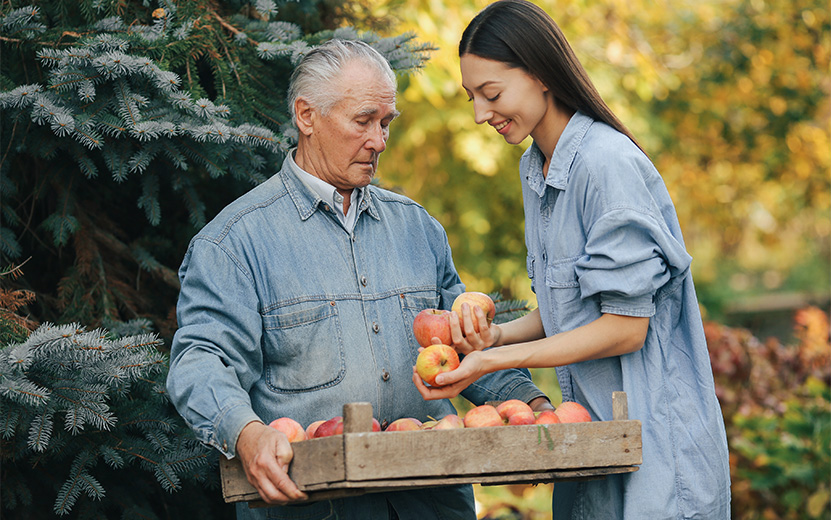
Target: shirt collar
x,y
563,156
320,191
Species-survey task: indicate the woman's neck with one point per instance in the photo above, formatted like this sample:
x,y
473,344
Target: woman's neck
x,y
548,132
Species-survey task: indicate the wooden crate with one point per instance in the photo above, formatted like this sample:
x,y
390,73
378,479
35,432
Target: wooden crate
x,y
361,461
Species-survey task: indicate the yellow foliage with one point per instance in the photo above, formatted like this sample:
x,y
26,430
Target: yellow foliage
x,y
729,97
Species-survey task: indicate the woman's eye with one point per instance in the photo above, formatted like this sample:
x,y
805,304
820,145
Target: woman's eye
x,y
494,98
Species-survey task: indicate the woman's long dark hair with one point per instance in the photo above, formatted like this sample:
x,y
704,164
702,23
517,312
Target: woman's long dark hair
x,y
522,35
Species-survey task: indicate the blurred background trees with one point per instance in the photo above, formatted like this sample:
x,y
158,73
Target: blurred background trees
x,y
729,98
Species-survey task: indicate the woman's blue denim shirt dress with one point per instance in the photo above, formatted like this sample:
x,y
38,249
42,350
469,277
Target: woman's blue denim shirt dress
x,y
283,312
603,237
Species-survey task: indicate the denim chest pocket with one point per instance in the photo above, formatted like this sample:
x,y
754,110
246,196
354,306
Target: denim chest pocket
x,y
411,305
562,276
303,349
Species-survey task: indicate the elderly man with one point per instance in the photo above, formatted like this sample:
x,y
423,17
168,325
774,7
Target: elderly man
x,y
300,297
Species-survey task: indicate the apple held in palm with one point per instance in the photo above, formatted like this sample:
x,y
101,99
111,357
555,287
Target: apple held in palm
x,y
435,360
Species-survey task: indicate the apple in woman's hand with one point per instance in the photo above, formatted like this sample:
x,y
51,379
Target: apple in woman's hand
x,y
478,299
435,360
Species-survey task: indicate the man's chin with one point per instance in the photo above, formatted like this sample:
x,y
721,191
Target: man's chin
x,y
366,171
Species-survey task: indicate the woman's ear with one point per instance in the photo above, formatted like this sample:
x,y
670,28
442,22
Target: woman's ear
x,y
304,115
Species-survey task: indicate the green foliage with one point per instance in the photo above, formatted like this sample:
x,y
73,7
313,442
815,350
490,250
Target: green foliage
x,y
80,411
788,456
124,128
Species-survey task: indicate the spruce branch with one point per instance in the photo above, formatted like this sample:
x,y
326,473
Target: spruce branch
x,y
99,400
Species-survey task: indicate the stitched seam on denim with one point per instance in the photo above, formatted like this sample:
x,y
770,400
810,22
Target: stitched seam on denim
x,y
226,229
348,297
231,256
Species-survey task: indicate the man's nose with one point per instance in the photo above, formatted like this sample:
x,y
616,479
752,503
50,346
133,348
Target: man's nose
x,y
377,139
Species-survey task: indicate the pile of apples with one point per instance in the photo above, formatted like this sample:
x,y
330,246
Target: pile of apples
x,y
508,413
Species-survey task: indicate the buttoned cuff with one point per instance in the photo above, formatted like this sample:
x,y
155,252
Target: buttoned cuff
x,y
525,392
229,425
514,386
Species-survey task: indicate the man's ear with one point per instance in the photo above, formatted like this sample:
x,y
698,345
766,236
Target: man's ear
x,y
304,114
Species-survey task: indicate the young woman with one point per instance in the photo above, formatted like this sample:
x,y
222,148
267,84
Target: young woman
x,y
617,308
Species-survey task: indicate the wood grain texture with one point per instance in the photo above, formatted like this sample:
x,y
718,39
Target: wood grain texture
x,y
361,461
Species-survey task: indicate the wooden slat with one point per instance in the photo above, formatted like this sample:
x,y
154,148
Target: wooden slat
x,y
342,489
476,451
318,460
620,406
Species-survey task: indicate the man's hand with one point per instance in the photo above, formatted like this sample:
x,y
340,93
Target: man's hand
x,y
541,403
265,454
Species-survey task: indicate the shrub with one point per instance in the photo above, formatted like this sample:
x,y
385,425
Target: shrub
x,y
776,401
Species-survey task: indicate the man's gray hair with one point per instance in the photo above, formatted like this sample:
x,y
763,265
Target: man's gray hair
x,y
314,76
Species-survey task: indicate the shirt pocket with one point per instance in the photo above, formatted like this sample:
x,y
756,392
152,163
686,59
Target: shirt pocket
x,y
563,290
303,349
411,305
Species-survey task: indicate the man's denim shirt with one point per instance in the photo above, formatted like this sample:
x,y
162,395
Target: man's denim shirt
x,y
282,312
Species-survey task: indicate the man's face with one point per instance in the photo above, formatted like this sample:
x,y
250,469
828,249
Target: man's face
x,y
344,144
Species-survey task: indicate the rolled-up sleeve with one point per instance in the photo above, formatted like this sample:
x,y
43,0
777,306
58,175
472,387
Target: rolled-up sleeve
x,y
215,357
629,255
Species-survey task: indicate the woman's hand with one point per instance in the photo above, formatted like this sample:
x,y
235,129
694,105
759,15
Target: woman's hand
x,y
465,337
453,382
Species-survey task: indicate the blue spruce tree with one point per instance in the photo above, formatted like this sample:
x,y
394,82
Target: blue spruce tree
x,y
124,126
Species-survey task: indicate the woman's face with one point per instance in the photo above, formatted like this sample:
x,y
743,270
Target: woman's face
x,y
512,101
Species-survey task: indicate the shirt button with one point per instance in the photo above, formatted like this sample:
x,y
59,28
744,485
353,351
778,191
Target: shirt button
x,y
326,207
363,281
376,327
385,376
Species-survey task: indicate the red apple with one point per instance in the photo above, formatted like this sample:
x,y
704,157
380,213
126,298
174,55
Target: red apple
x,y
432,323
546,417
435,360
333,426
482,416
310,429
449,422
515,412
376,426
481,300
293,429
404,424
571,412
